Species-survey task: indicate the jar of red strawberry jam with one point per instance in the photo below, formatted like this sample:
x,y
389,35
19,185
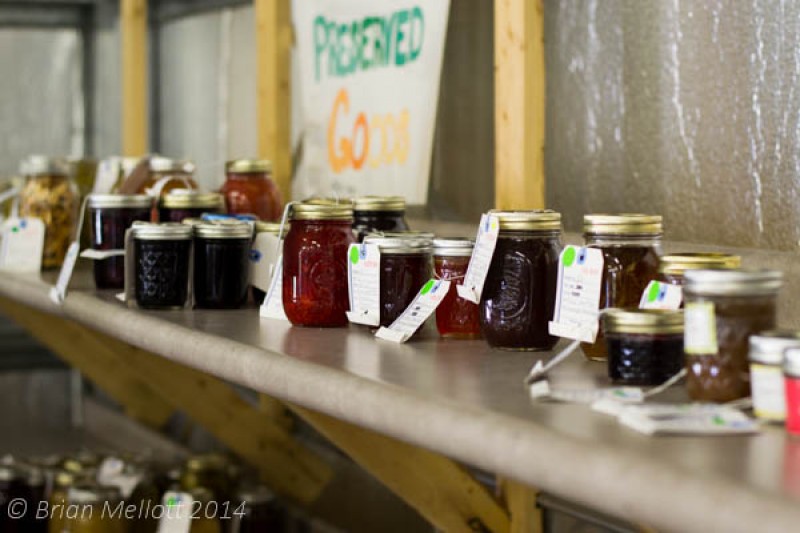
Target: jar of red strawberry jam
x,y
455,317
315,264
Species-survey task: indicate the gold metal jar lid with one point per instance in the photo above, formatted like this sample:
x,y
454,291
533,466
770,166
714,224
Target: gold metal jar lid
x,y
161,231
623,224
453,246
270,227
407,234
121,201
93,493
379,203
768,347
529,219
649,321
224,229
733,282
248,166
192,199
400,245
677,264
207,462
164,165
321,211
43,165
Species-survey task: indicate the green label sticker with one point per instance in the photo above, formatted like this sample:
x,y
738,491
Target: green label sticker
x,y
569,256
354,255
428,286
655,289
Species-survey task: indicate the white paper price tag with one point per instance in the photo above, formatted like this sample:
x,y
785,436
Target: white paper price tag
x,y
262,260
482,253
273,303
421,308
700,328
107,175
99,255
364,284
21,245
59,292
659,295
177,513
580,276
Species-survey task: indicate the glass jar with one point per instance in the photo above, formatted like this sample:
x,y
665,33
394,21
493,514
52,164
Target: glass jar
x,y
110,216
11,488
405,267
631,245
222,264
50,195
645,346
791,375
260,511
161,277
315,264
456,317
723,309
166,174
249,188
766,372
378,214
672,267
186,203
91,505
519,293
263,257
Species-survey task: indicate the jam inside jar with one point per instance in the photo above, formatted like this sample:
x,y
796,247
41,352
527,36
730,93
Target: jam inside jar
x,y
161,276
378,214
631,246
249,188
456,317
519,293
110,216
180,204
222,264
315,265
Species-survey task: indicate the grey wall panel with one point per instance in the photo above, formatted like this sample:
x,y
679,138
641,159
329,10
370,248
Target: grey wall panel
x,y
242,119
107,91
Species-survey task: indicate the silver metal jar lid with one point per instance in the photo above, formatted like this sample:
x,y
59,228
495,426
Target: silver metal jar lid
x,y
733,282
224,229
164,231
453,246
166,164
400,245
768,347
791,362
192,199
121,201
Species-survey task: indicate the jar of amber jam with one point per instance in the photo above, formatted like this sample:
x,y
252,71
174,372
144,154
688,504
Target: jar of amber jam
x,y
378,214
187,203
161,277
222,264
110,216
631,245
405,267
645,346
249,188
672,267
315,264
455,317
519,293
723,308
264,256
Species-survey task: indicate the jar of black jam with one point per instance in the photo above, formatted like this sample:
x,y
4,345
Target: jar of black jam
x,y
222,264
723,308
406,265
261,511
645,346
631,245
672,267
161,264
187,203
456,317
519,293
264,256
11,488
110,216
378,213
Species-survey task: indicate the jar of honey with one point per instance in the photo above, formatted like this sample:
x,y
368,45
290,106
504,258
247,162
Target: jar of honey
x,y
378,214
455,317
249,188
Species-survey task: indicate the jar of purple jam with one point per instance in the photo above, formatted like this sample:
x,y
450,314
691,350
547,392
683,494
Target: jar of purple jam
x,y
110,215
161,264
187,203
222,264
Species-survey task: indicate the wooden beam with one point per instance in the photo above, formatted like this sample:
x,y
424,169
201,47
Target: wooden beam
x,y
439,489
519,104
520,500
133,29
274,43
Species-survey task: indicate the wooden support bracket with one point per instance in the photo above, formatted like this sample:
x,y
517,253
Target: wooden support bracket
x,y
520,500
133,30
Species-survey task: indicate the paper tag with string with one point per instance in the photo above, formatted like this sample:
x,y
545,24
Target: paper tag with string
x,y
481,259
660,295
272,307
421,308
580,276
364,284
21,244
59,292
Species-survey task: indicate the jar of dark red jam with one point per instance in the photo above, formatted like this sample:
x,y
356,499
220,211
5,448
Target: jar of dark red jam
x,y
249,188
456,317
406,265
315,264
161,277
723,308
264,256
519,293
378,214
791,378
222,264
645,346
631,245
110,216
179,204
672,267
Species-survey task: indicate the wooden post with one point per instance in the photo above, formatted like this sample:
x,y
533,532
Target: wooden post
x,y
519,103
274,42
133,27
520,500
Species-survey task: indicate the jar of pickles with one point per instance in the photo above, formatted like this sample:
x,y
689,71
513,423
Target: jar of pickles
x,y
455,317
50,195
161,264
723,308
110,216
315,264
519,293
249,188
631,245
766,372
672,267
378,213
222,264
187,203
405,267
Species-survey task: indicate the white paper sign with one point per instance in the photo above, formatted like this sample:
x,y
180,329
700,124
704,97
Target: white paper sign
x,y
660,295
262,259
21,244
273,303
485,243
421,308
580,276
369,88
177,517
364,284
700,328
